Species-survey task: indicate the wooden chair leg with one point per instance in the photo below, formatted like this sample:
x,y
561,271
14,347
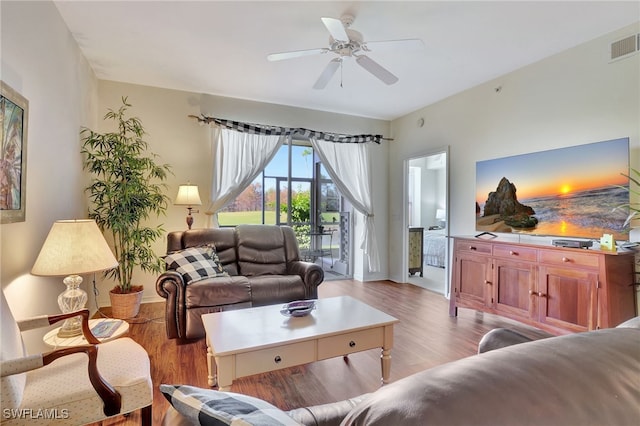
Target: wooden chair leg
x,y
147,415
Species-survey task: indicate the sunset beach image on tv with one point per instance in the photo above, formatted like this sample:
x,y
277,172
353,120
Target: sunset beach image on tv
x,y
568,192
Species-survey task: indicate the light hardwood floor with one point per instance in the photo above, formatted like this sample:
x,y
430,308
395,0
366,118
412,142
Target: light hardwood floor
x,y
425,337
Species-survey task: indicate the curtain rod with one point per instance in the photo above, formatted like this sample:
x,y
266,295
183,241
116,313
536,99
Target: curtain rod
x,y
207,120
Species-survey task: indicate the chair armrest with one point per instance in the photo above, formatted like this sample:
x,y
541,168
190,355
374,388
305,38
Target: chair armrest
x,y
110,397
172,287
169,283
47,320
20,365
503,337
330,414
312,276
630,323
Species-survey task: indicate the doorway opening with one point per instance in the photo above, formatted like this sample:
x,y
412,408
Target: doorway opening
x,y
426,239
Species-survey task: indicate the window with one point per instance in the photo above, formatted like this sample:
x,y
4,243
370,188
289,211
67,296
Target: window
x,y
266,200
329,198
295,189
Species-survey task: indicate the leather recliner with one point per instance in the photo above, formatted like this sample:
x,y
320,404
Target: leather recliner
x,y
264,267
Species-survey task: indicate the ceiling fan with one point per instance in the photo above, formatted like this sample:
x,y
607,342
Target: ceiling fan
x,y
347,43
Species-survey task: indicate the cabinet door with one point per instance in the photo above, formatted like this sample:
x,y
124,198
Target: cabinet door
x,y
472,279
567,298
513,285
415,250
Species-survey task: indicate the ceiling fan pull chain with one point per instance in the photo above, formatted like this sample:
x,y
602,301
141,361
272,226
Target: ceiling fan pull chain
x,y
341,74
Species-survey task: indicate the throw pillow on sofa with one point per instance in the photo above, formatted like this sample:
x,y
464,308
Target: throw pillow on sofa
x,y
210,407
195,263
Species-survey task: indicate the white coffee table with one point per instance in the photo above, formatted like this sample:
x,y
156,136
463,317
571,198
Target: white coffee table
x,y
52,339
257,340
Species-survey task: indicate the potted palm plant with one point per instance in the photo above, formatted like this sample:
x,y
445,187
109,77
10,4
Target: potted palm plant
x,y
634,208
126,190
634,211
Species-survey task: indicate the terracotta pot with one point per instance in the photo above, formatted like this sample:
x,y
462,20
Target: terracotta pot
x,y
125,305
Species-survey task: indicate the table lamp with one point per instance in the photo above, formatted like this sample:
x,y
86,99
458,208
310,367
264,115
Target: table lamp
x,y
73,247
188,196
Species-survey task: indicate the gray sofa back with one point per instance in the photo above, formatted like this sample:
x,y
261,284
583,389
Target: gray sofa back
x,y
586,378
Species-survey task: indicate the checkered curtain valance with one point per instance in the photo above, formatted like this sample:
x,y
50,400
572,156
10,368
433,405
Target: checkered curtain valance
x,y
259,129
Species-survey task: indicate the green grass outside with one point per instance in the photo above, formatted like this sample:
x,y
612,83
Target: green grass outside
x,y
249,217
255,217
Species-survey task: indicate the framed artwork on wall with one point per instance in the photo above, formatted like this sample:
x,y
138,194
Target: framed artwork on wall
x,y
14,114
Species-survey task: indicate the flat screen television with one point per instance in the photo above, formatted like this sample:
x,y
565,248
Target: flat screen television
x,y
565,192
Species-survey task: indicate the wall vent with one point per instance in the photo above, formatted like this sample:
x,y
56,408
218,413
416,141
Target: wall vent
x,y
625,47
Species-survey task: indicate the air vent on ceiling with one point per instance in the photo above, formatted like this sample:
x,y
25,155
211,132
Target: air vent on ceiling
x,y
625,47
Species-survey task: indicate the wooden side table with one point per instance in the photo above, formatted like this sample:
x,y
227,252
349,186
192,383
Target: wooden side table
x,y
52,339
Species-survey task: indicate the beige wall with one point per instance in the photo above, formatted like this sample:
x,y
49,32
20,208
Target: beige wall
x,y
42,62
185,145
572,98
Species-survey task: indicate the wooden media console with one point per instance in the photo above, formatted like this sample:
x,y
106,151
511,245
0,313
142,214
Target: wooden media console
x,y
557,289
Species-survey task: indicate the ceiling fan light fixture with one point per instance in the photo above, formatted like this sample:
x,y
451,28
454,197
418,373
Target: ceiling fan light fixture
x,y
347,43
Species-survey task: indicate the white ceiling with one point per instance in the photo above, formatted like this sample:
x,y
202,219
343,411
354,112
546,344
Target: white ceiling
x,y
220,47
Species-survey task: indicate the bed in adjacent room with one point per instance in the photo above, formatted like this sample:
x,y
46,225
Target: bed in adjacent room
x,y
434,249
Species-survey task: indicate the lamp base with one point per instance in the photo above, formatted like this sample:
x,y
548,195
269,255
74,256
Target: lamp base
x,y
71,332
71,300
189,217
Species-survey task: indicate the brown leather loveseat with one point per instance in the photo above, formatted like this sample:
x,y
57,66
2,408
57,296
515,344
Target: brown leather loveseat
x,y
263,267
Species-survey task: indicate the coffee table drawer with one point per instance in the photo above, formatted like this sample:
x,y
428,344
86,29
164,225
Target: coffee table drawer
x,y
275,358
343,344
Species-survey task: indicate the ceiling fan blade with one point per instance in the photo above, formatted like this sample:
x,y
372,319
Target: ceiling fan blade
x,y
376,69
406,44
336,29
296,54
328,72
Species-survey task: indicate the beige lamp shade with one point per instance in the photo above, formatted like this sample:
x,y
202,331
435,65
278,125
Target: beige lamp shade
x,y
74,247
188,195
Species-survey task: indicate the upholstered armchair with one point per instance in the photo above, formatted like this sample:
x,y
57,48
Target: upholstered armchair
x,y
73,385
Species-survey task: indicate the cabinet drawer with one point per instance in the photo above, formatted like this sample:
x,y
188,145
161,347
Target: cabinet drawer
x,y
270,359
569,258
344,344
467,246
515,252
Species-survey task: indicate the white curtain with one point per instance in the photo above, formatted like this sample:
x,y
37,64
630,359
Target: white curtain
x,y
348,165
237,159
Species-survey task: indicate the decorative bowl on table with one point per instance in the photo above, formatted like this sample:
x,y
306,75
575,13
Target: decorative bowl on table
x,y
298,308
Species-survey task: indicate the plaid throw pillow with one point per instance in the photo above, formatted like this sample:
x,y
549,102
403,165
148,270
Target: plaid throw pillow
x,y
213,408
195,263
